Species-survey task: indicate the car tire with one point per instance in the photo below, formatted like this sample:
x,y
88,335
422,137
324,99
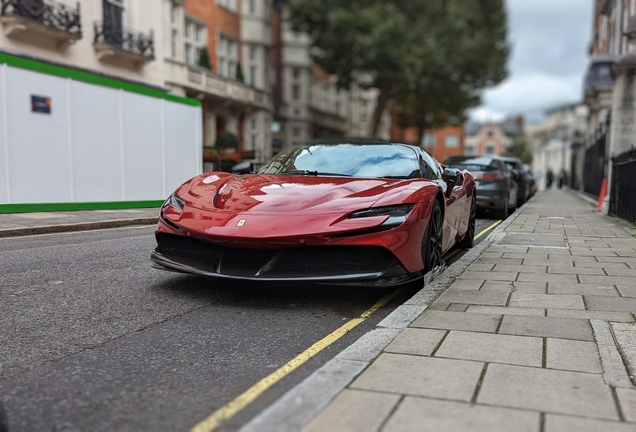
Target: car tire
x,y
432,243
469,238
503,213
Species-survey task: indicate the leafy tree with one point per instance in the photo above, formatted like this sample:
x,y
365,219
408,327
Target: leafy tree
x,y
432,57
521,149
204,58
239,73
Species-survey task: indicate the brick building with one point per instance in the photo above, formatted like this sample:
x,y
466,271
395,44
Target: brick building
x,y
439,143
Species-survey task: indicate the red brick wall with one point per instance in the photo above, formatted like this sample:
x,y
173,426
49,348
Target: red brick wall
x,y
439,151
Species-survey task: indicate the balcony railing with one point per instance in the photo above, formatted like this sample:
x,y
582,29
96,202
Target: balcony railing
x,y
125,39
50,14
210,83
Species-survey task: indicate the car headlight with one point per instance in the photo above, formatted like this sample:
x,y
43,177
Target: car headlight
x,y
175,201
397,214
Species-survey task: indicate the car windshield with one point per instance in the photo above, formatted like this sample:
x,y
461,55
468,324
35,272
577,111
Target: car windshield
x,y
472,164
349,160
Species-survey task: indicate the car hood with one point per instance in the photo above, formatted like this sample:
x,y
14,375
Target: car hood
x,y
285,194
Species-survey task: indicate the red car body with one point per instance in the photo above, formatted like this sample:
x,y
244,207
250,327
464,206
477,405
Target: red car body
x,y
306,227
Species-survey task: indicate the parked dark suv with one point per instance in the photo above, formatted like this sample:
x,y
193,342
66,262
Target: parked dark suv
x,y
496,187
515,165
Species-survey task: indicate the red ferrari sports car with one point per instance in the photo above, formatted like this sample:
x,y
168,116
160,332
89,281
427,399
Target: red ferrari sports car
x,y
353,212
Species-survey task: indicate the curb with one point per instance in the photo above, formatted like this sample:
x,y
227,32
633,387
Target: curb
x,y
298,406
81,226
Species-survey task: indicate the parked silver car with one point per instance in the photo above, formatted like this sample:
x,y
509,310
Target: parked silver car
x,y
497,189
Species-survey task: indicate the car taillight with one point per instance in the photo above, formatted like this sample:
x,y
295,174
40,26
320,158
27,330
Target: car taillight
x,y
493,177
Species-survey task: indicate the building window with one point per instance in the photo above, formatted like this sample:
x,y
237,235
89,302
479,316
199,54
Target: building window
x,y
296,73
175,44
252,7
491,133
174,14
295,132
470,150
114,13
428,140
227,55
193,41
227,4
325,96
253,53
253,79
490,150
296,91
451,141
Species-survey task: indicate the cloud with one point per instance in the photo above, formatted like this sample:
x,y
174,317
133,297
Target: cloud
x,y
549,40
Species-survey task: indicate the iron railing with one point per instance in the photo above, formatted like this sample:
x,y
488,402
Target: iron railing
x,y
622,196
596,160
124,38
51,14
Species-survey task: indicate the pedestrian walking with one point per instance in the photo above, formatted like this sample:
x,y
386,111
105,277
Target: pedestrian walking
x,y
549,179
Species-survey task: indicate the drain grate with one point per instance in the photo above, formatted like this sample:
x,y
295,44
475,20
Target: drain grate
x,y
537,240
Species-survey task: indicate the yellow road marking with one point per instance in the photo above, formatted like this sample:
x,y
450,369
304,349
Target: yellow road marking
x,y
487,229
229,410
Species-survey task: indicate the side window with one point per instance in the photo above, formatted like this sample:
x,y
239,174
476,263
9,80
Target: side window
x,y
429,166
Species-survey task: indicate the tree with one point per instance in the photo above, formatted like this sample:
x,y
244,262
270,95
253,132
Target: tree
x,y
204,58
239,73
521,149
226,140
432,57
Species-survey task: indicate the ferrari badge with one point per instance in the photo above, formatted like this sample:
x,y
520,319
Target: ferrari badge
x,y
241,222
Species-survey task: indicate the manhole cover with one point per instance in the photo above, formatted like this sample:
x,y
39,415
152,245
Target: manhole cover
x,y
539,240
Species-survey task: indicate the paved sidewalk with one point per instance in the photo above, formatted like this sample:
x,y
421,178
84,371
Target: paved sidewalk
x,y
19,224
534,336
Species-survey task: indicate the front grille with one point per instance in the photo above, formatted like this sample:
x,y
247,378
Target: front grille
x,y
338,259
188,249
302,262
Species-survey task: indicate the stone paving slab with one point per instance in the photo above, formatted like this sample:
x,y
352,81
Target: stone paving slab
x,y
627,291
548,390
415,341
547,278
421,376
590,315
545,301
502,310
354,410
618,304
489,298
561,423
577,356
576,270
430,415
530,287
582,289
492,348
492,276
627,399
562,328
445,320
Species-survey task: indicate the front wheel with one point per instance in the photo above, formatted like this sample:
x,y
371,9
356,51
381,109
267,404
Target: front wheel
x,y
432,243
469,239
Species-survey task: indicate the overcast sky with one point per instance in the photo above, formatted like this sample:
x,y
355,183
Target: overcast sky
x,y
549,41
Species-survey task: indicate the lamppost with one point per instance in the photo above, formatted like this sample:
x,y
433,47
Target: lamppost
x,y
278,90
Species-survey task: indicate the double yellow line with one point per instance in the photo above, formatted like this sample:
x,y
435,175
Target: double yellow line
x,y
229,410
247,397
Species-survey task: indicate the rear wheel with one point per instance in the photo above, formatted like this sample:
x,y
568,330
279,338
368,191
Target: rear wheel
x,y
432,244
469,239
503,213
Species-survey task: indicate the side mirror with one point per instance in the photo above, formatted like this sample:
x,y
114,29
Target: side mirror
x,y
452,177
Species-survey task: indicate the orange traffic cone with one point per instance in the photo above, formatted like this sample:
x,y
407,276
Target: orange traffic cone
x,y
602,194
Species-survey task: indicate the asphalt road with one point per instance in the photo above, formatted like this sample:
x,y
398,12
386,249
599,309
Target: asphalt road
x,y
93,339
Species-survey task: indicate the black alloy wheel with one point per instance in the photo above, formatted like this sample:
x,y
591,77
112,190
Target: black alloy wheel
x,y
432,247
469,239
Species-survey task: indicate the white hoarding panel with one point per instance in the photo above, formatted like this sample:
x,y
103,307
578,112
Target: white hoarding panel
x,y
143,161
39,157
4,137
96,143
181,137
